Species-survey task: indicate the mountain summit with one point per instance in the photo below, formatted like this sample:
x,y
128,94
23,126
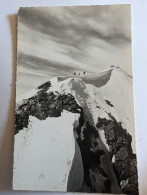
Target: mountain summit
x,y
80,130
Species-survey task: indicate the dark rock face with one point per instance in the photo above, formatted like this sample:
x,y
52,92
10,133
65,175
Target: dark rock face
x,y
109,103
99,174
87,155
44,105
45,86
21,121
125,165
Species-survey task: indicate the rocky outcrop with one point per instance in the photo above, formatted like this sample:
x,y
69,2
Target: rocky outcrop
x,y
109,103
124,161
44,87
44,105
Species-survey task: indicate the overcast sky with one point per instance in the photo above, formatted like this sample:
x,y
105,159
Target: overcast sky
x,y
62,40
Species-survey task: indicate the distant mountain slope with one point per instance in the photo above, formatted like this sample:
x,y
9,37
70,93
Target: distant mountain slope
x,y
99,111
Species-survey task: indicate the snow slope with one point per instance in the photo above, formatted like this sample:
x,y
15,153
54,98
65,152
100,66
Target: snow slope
x,y
39,151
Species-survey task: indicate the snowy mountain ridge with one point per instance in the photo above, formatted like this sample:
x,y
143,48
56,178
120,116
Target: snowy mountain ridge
x,y
111,98
101,110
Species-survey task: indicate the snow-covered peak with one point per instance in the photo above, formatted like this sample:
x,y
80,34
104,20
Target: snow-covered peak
x,y
100,94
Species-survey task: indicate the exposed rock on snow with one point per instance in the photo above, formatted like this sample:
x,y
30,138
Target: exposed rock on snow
x,y
44,105
119,142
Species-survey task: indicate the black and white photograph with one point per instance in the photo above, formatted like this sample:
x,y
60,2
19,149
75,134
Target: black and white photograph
x,y
74,114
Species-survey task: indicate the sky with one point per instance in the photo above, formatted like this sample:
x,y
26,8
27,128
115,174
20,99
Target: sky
x,y
55,41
